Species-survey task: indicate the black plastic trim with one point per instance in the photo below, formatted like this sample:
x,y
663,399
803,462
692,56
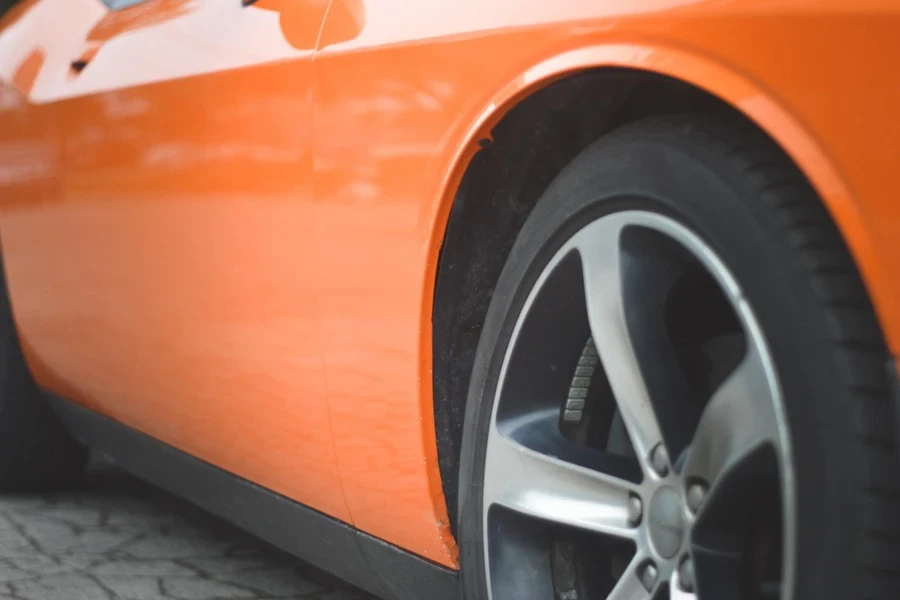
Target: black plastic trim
x,y
894,387
365,561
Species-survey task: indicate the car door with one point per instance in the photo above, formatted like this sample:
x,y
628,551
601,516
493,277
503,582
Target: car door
x,y
169,281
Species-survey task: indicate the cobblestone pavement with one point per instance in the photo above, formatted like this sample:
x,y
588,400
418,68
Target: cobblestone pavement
x,y
118,538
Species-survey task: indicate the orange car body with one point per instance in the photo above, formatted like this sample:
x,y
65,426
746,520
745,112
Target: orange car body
x,y
221,223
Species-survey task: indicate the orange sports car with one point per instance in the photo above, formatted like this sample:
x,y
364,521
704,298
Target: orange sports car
x,y
482,299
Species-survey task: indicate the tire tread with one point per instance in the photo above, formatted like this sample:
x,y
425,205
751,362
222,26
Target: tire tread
x,y
789,203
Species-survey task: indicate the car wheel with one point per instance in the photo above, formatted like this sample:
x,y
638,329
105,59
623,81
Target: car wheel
x,y
36,450
681,389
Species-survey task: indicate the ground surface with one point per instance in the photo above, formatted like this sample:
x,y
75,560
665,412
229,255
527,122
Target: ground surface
x,y
118,538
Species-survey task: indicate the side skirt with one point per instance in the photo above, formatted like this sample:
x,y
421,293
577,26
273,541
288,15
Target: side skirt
x,y
365,561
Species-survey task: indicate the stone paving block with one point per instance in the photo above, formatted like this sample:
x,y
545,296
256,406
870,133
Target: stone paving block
x,y
117,538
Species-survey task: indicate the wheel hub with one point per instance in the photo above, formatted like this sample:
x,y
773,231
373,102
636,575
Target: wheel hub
x,y
665,522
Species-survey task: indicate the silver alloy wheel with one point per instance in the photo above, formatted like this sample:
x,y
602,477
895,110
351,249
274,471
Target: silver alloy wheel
x,y
657,514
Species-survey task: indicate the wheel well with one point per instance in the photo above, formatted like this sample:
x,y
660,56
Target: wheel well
x,y
533,142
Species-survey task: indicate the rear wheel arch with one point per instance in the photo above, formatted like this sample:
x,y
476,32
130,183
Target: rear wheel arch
x,y
523,146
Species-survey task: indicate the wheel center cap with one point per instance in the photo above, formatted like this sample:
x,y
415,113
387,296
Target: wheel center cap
x,y
666,521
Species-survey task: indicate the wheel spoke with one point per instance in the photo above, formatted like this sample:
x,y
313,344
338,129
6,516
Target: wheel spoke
x,y
739,418
548,488
599,247
629,586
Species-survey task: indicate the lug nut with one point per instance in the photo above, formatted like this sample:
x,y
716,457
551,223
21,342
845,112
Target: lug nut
x,y
635,511
648,576
659,459
696,494
686,575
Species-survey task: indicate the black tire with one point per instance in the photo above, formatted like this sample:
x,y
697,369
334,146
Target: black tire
x,y
37,452
742,195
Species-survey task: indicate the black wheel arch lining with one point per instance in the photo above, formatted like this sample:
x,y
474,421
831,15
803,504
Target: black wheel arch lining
x,y
531,145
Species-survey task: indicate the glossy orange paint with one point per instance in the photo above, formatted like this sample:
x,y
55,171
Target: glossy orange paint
x,y
189,297
224,231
